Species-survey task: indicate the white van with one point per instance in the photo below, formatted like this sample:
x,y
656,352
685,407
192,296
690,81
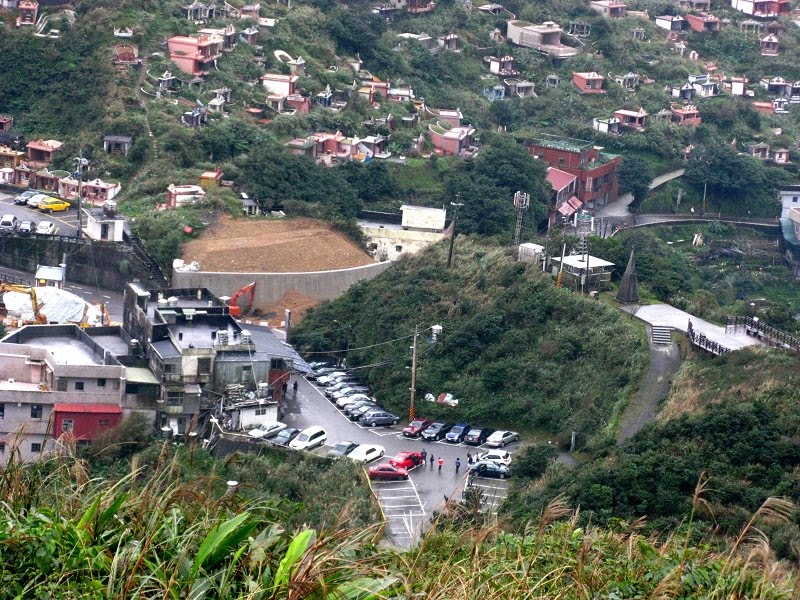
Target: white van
x,y
8,224
309,438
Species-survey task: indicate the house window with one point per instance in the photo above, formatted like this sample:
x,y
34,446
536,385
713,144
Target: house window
x,y
398,248
246,372
36,411
101,382
260,412
67,425
104,423
2,447
795,198
2,411
169,368
36,447
84,443
277,364
203,366
61,385
78,386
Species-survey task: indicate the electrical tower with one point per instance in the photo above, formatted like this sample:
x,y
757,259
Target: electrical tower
x,y
521,202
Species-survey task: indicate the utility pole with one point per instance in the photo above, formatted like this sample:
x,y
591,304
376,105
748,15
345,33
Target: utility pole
x,y
80,163
705,189
456,206
412,408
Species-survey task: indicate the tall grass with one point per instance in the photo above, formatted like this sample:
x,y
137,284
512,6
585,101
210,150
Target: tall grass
x,y
64,535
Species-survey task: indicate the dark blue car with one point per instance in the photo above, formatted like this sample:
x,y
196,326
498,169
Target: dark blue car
x,y
457,433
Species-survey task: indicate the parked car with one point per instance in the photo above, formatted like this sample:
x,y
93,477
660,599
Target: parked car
x,y
379,417
22,199
53,205
387,472
329,377
26,228
477,436
457,433
499,439
436,431
415,428
355,410
349,390
309,438
366,453
342,449
406,460
497,456
285,436
319,364
46,228
8,224
489,469
348,397
36,199
267,430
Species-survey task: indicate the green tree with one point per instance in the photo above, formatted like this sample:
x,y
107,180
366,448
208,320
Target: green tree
x,y
635,175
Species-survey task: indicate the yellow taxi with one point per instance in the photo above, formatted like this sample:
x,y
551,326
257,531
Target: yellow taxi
x,y
53,205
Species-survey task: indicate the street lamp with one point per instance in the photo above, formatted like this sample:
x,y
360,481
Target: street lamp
x,y
436,331
456,206
80,164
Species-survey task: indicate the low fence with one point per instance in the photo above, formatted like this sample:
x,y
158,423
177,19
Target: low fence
x,y
755,327
699,340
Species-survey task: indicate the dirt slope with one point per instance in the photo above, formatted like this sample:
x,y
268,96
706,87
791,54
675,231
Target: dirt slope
x,y
283,246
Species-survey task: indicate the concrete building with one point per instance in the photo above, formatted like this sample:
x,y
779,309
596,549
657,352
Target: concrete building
x,y
183,195
613,9
761,8
582,272
104,224
195,55
545,38
596,170
391,236
588,83
48,276
57,379
452,141
199,353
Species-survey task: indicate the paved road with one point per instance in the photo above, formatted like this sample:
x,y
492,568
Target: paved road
x,y
619,207
664,363
67,221
408,507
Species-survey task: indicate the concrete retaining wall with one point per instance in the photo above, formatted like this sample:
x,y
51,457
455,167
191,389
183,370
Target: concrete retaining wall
x,y
320,285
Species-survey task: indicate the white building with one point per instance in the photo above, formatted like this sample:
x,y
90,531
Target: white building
x,y
104,224
417,227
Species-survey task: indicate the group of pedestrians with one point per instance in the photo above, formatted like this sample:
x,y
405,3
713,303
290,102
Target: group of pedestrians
x,y
440,461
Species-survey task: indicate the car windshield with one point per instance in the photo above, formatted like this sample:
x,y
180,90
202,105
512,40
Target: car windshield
x,y
457,429
302,437
415,424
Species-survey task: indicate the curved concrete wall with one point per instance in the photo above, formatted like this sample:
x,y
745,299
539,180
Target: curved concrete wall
x,y
320,285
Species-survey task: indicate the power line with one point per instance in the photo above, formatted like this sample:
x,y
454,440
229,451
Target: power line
x,y
364,347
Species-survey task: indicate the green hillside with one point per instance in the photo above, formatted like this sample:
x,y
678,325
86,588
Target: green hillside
x,y
515,350
732,418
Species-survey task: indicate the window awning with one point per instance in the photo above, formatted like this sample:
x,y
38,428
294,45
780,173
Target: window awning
x,y
140,375
88,408
570,207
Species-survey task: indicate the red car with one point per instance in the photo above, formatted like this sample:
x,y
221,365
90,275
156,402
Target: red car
x,y
406,460
416,427
387,472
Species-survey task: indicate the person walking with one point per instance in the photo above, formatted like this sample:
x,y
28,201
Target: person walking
x,y
458,464
441,463
294,387
424,456
285,387
432,461
469,459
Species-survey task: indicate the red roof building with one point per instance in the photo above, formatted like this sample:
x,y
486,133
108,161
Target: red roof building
x,y
596,171
588,83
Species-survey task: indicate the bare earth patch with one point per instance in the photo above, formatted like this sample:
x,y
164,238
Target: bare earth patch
x,y
285,246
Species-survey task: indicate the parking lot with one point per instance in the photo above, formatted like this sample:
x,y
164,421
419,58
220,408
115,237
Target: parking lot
x,y
66,221
493,492
407,505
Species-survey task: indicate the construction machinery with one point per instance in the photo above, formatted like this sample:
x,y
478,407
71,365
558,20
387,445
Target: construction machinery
x,y
249,292
22,289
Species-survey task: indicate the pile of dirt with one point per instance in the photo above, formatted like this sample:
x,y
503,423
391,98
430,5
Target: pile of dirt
x,y
275,312
285,246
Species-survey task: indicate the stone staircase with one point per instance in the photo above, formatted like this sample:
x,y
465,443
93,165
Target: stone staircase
x,y
660,334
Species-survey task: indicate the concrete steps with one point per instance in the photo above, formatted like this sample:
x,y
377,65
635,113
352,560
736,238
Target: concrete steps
x,y
660,334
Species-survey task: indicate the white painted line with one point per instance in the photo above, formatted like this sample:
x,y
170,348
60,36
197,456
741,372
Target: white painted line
x,y
107,297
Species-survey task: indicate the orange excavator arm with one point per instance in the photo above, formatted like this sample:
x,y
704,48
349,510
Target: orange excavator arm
x,y
24,289
249,291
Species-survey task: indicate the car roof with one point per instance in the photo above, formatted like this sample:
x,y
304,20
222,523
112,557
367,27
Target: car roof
x,y
313,429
